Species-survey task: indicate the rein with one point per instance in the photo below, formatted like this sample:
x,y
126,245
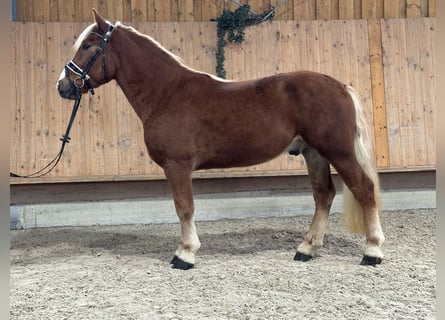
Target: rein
x,y
79,83
65,139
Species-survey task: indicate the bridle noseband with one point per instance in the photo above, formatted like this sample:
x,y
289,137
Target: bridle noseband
x,y
83,79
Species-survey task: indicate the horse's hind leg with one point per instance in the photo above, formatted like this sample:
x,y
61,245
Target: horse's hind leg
x,y
180,181
324,192
365,192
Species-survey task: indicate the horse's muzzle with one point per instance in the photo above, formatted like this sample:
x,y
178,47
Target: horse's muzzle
x,y
67,89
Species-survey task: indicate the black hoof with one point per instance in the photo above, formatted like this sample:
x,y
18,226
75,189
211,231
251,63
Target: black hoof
x,y
370,261
302,257
174,259
178,263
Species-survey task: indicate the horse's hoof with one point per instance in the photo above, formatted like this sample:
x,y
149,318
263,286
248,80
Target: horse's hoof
x,y
174,259
370,261
302,257
178,263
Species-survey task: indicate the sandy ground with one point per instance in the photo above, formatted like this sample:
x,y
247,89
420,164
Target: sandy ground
x,y
244,270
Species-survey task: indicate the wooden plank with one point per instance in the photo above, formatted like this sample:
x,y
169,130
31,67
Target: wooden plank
x,y
327,10
249,69
138,10
312,47
78,11
28,134
162,10
185,10
415,45
235,66
20,11
126,14
107,132
209,33
394,9
174,10
283,13
16,112
114,10
428,82
362,77
378,93
372,9
259,6
349,9
197,11
128,137
413,8
397,90
431,8
340,59
424,8
51,128
186,35
209,9
301,31
87,13
325,45
305,10
286,39
102,8
66,10
41,10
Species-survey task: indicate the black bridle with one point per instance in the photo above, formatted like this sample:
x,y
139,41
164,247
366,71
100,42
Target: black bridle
x,y
83,80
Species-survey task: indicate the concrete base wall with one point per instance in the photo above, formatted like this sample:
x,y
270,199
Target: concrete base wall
x,y
132,202
161,210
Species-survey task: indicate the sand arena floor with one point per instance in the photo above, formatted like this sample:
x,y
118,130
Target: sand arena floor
x,y
244,270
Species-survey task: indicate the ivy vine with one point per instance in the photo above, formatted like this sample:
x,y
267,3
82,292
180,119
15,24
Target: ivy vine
x,y
230,28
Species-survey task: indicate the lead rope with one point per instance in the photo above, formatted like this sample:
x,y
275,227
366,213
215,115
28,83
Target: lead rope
x,y
65,139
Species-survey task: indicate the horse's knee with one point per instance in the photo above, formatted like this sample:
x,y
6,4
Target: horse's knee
x,y
185,211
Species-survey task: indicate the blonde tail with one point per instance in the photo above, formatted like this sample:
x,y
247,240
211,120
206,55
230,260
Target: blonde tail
x,y
353,217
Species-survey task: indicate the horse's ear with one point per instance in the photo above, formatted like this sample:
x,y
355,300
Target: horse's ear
x,y
101,23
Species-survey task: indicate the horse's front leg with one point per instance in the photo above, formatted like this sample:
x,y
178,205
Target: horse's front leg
x,y
180,181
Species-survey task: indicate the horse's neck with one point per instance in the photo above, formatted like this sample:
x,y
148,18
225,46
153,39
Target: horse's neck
x,y
146,74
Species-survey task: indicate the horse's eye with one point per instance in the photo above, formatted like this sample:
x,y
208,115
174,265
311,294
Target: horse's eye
x,y
85,46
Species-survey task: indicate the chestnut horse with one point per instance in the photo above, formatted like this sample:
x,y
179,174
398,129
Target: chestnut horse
x,y
193,120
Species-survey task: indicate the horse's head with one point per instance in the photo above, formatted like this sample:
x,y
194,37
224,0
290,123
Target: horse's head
x,y
91,66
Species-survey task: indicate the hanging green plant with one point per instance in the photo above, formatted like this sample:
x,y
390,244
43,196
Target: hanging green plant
x,y
230,28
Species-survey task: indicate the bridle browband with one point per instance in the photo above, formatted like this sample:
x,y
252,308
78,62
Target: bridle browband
x,y
83,77
80,82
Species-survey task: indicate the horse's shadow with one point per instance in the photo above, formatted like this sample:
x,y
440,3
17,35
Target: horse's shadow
x,y
63,243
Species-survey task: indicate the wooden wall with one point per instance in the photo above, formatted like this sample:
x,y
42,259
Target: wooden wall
x,y
390,62
204,10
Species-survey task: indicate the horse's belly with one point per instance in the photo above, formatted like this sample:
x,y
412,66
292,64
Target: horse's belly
x,y
244,154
